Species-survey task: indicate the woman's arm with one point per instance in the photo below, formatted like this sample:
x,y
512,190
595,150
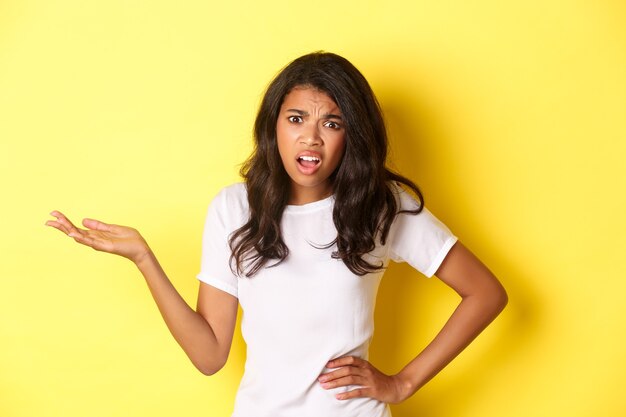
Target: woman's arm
x,y
483,298
206,334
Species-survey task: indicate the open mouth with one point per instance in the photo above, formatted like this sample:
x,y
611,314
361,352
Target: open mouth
x,y
308,161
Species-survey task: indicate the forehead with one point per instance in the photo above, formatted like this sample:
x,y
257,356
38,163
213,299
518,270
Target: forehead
x,y
308,97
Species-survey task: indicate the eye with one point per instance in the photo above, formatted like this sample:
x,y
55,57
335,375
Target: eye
x,y
295,119
332,125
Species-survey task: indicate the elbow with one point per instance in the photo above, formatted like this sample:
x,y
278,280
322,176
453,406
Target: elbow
x,y
208,370
492,300
209,367
500,299
505,298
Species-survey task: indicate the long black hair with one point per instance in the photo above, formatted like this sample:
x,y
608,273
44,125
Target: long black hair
x,y
364,188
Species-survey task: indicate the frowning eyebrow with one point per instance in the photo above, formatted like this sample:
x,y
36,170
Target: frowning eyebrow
x,y
324,116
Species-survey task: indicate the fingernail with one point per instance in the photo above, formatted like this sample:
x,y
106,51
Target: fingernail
x,y
325,385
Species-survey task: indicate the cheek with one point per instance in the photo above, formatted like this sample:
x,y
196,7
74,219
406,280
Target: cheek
x,y
338,151
340,148
281,141
284,135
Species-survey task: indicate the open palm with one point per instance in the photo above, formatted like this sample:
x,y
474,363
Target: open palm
x,y
111,238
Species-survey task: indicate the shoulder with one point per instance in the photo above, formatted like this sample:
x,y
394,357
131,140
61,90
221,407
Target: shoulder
x,y
233,195
404,199
231,201
412,212
420,239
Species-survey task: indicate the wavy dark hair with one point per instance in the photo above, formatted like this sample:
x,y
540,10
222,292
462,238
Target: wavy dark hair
x,y
364,188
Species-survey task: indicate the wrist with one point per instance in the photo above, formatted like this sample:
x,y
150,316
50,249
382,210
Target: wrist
x,y
143,257
405,386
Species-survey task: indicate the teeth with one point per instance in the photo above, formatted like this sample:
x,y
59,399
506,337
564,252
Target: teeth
x,y
309,158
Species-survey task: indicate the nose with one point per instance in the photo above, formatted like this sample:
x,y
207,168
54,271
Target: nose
x,y
311,136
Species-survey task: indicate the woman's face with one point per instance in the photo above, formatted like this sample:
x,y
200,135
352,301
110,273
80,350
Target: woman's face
x,y
311,141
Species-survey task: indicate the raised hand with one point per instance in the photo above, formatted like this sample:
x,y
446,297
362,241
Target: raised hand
x,y
111,238
372,383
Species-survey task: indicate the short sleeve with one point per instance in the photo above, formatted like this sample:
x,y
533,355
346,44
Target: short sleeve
x,y
420,240
223,217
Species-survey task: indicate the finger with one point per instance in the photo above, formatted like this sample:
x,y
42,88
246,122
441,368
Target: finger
x,y
56,213
63,223
94,224
346,361
78,235
340,373
345,381
355,393
82,237
56,225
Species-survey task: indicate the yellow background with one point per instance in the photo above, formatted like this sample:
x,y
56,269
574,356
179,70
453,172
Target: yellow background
x,y
511,115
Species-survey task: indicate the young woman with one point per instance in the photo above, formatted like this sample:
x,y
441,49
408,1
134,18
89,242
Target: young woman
x,y
302,245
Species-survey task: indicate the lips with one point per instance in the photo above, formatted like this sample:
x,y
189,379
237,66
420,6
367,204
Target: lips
x,y
308,162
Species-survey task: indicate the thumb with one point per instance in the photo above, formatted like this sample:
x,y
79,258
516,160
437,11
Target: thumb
x,y
96,225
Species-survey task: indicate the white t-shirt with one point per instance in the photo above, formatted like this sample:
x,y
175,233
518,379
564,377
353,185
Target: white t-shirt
x,y
309,309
